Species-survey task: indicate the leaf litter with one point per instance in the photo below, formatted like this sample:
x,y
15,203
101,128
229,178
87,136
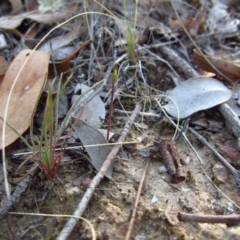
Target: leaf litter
x,y
160,53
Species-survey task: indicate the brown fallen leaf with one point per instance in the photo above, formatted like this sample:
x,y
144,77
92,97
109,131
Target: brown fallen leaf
x,y
48,18
226,70
62,40
25,92
64,66
17,6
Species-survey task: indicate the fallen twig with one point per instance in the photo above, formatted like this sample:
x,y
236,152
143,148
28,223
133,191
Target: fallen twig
x,y
20,188
234,171
130,227
97,179
232,120
228,219
173,57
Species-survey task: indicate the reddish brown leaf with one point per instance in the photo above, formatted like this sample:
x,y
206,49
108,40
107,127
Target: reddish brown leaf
x,y
227,70
26,90
64,66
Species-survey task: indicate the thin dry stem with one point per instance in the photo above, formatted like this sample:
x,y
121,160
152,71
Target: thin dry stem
x,y
130,227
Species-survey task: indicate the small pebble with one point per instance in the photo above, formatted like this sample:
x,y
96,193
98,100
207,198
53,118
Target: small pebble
x,y
140,237
229,209
162,169
155,199
185,161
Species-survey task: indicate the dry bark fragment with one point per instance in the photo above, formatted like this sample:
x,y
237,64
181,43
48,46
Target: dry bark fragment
x,y
166,156
170,156
180,174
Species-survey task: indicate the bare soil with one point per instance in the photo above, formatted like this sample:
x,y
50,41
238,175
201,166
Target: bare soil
x,y
110,208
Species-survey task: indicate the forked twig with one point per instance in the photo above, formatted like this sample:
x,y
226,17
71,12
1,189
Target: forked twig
x,y
98,178
130,227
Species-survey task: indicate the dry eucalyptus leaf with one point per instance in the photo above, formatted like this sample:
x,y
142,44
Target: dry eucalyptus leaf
x,y
195,94
48,18
91,136
60,41
230,69
25,92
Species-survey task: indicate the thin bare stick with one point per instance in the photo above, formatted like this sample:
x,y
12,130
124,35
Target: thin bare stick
x,y
232,120
228,219
235,172
20,188
130,227
97,179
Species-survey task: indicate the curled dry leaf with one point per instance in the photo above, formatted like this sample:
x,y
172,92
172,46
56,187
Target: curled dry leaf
x,y
227,70
61,41
26,90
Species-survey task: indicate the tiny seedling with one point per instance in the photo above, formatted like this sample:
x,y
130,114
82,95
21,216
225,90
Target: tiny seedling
x,y
46,156
114,79
130,33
